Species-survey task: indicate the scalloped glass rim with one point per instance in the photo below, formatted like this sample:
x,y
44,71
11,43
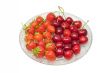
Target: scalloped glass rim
x,y
59,61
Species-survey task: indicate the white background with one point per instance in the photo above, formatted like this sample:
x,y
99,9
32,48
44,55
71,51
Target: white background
x,y
15,12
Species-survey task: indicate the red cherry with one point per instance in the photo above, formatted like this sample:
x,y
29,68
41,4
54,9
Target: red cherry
x,y
59,52
83,39
57,38
66,40
68,54
74,36
67,47
65,25
76,49
78,24
82,32
55,23
73,28
59,19
67,32
59,45
69,20
59,30
50,16
75,42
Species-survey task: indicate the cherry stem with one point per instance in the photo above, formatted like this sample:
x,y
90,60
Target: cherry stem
x,y
57,12
85,24
62,11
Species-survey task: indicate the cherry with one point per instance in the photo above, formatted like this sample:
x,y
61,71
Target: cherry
x,y
66,32
69,20
66,40
75,42
78,24
56,24
67,47
83,39
73,28
59,30
65,25
76,49
74,36
59,19
68,54
59,45
59,52
82,32
57,38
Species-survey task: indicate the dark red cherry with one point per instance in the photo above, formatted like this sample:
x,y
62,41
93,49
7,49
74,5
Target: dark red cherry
x,y
59,30
57,38
68,54
69,20
65,25
82,32
75,42
67,47
55,23
73,28
76,49
74,36
59,45
59,52
67,32
78,24
59,19
83,39
66,39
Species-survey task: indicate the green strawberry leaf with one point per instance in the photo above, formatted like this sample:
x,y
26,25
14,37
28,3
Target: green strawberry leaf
x,y
36,51
49,44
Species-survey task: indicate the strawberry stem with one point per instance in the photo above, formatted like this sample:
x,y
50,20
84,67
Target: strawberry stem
x,y
49,44
36,33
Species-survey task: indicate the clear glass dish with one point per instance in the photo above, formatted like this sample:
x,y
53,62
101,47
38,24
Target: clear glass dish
x,y
59,61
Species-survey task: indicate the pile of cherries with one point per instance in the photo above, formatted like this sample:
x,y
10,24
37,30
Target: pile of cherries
x,y
55,37
68,37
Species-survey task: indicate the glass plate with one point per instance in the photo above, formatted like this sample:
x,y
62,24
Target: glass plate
x,y
59,61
